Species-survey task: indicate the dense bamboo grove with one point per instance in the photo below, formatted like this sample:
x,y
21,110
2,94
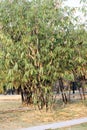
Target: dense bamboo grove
x,y
41,42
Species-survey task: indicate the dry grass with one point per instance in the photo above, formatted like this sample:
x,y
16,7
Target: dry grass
x,y
10,120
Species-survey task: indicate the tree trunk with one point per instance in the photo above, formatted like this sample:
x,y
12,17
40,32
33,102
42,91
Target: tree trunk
x,y
80,93
61,86
22,96
69,94
83,93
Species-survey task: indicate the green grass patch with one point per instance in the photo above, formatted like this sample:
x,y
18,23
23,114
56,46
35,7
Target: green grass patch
x,y
82,126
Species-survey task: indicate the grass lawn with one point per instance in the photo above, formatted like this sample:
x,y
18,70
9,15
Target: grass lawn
x,y
11,118
82,126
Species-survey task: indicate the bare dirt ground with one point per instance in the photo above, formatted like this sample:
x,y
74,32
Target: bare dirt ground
x,y
11,118
9,97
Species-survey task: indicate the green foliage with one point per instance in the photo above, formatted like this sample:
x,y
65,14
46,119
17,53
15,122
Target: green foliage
x,y
40,42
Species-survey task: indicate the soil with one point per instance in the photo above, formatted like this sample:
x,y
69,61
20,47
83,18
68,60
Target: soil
x,y
13,115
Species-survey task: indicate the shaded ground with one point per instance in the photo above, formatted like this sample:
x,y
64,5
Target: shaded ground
x,y
11,118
